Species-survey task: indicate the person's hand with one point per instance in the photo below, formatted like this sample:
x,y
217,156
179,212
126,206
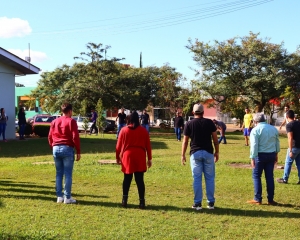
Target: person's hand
x,y
118,161
149,163
183,160
216,157
280,128
78,157
252,163
291,154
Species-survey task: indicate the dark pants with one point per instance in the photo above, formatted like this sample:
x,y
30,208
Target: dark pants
x,y
22,130
264,162
139,179
92,127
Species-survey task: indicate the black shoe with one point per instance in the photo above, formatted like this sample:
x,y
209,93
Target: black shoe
x,y
211,205
197,206
142,204
124,201
281,180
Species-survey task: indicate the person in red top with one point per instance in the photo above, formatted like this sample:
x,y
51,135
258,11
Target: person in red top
x,y
63,138
132,146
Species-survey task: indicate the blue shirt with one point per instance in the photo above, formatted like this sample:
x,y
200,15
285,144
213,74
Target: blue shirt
x,y
264,139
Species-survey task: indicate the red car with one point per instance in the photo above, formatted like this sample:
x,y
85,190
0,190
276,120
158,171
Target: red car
x,y
42,119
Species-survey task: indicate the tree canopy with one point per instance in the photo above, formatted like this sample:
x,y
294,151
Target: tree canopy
x,y
243,67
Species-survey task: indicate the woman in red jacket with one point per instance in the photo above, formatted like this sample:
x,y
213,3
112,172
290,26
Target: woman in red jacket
x,y
132,146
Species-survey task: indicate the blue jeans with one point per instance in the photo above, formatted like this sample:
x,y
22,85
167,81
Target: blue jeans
x,y
64,162
222,136
120,126
2,130
178,133
22,129
264,162
289,162
146,126
203,161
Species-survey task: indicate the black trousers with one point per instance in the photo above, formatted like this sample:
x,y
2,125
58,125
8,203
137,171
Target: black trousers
x,y
92,127
139,179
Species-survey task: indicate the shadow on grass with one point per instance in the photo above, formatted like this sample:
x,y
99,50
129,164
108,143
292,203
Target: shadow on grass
x,y
40,147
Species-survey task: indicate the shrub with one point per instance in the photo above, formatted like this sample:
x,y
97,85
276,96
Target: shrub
x,y
41,130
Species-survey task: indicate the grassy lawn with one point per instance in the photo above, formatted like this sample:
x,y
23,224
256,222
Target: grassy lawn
x,y
28,208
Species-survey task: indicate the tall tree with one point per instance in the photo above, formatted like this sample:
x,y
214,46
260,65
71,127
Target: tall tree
x,y
242,66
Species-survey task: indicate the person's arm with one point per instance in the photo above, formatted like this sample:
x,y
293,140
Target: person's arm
x,y
75,137
149,150
183,149
282,124
253,148
290,143
216,145
50,139
119,147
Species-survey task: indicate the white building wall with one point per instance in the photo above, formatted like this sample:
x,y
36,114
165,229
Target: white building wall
x,y
7,98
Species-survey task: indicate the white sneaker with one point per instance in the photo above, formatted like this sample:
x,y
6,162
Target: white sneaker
x,y
69,201
60,199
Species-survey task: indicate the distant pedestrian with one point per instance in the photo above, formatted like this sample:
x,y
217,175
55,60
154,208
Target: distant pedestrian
x,y
285,121
21,123
94,122
145,120
264,155
247,125
3,123
132,147
178,125
293,151
222,128
122,121
63,138
202,132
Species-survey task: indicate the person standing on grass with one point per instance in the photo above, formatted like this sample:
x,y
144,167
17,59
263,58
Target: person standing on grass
x,y
22,123
293,152
285,121
122,121
178,125
132,147
247,125
222,127
63,138
145,120
3,123
264,150
202,132
94,122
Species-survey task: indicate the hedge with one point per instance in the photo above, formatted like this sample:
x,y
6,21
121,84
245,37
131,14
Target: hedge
x,y
41,130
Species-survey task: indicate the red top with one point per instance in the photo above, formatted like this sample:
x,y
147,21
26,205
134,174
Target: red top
x,y
131,147
64,131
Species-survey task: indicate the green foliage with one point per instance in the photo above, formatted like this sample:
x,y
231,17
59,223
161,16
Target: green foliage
x,y
41,130
242,66
101,121
85,124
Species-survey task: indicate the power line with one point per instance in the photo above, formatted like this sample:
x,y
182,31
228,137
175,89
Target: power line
x,y
172,20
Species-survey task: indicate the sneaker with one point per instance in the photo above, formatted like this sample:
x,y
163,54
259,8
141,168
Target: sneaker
x,y
197,206
281,180
211,205
69,200
254,202
60,199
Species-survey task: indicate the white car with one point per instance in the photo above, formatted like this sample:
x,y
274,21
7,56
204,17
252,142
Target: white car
x,y
80,123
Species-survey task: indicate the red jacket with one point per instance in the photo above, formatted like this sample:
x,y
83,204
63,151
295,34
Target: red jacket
x,y
64,131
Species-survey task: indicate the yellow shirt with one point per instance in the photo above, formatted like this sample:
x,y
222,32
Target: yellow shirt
x,y
247,120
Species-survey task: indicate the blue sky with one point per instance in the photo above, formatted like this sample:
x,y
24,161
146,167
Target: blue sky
x,y
59,30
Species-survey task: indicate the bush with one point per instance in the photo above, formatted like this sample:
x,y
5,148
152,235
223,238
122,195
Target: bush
x,y
41,130
28,129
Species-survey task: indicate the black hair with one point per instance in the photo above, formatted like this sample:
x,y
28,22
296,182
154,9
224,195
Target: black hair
x,y
290,114
1,111
66,107
20,110
134,119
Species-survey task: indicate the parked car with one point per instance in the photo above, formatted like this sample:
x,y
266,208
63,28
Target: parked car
x,y
41,119
80,123
16,123
110,125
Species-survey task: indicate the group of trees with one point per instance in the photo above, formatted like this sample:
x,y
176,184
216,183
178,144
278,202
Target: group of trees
x,y
117,85
247,71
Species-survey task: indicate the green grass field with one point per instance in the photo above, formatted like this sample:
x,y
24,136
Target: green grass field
x,y
28,208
